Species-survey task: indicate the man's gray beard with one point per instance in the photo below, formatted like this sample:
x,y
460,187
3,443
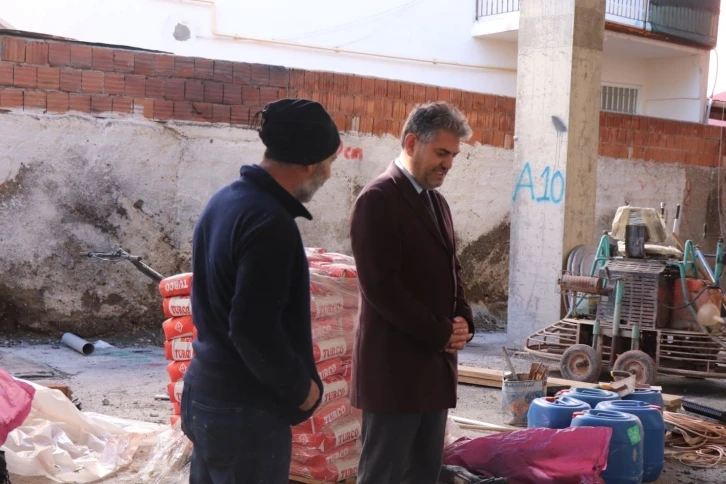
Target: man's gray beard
x,y
305,191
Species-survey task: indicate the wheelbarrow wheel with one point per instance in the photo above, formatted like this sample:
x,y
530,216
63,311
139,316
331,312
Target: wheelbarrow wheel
x,y
581,363
637,363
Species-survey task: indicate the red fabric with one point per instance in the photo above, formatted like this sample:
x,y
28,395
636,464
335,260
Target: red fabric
x,y
16,399
575,455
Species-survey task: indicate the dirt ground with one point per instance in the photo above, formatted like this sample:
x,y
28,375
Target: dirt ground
x,y
122,381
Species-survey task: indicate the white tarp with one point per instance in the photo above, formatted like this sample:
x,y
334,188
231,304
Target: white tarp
x,y
66,445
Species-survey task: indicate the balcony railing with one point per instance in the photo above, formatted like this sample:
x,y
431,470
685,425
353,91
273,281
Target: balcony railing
x,y
695,21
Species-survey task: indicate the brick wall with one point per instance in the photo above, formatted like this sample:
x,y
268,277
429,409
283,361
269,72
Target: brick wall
x,y
58,77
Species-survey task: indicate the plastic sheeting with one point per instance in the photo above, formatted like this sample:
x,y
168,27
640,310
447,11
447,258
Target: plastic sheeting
x,y
536,456
60,442
15,402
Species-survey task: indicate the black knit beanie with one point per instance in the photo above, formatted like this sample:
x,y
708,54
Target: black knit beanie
x,y
298,131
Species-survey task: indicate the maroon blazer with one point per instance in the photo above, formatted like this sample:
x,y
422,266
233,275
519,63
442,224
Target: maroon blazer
x,y
410,292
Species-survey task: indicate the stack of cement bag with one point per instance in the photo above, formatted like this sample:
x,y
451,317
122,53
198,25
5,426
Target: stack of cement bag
x,y
179,332
327,446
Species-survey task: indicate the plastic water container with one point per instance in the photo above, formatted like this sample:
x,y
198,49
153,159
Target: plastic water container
x,y
592,396
651,417
625,455
554,413
653,397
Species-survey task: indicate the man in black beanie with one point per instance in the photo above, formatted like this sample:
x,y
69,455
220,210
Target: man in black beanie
x,y
253,374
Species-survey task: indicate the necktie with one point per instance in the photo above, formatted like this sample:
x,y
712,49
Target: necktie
x,y
430,206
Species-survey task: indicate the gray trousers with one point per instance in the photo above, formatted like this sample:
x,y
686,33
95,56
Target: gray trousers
x,y
402,449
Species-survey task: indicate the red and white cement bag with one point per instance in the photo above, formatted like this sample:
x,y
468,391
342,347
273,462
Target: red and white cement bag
x,y
340,258
177,370
315,258
179,349
314,250
174,419
314,458
331,437
176,408
175,390
326,328
343,271
178,285
333,348
326,415
325,306
178,327
335,387
177,306
329,368
333,472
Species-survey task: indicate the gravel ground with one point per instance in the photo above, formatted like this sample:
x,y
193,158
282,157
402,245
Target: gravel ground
x,y
123,381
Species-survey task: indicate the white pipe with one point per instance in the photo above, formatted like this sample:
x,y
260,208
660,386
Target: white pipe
x,y
335,49
468,421
79,344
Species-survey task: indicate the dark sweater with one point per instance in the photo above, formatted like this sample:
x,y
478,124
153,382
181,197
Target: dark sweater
x,y
251,299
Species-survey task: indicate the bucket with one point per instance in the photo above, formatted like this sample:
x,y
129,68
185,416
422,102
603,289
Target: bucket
x,y
591,396
653,397
517,397
554,413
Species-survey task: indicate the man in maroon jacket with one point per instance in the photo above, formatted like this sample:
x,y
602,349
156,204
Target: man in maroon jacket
x,y
413,316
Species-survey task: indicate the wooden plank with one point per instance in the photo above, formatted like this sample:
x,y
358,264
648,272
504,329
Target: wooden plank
x,y
493,379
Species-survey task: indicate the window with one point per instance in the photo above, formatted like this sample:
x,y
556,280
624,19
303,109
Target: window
x,y
619,99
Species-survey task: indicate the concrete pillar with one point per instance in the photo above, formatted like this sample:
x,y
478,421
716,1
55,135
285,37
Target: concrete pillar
x,y
557,130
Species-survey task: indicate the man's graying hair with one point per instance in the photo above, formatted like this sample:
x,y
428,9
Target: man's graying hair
x,y
428,119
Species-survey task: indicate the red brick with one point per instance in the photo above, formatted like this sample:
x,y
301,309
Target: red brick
x,y
622,136
102,60
144,107
394,90
432,93
498,139
359,105
101,103
203,112
183,67
6,74
279,76
355,84
123,105
379,127
251,95
369,86
370,107
679,156
399,110
365,125
144,64
114,83
419,93
487,137
221,114
340,83
164,65
387,108
70,80
92,81
326,81
467,103
163,109
203,69
380,88
311,80
123,61
242,72
339,120
135,85
59,54
393,127
11,98
223,71
183,111
175,89
346,103
232,94
240,115
13,49
194,91
331,102
691,159
26,76
36,53
155,87
35,100
213,92
260,75
49,78
268,95
58,102
297,79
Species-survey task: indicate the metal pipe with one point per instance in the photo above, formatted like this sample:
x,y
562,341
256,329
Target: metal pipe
x,y
335,49
77,343
595,334
718,265
677,219
616,318
704,264
635,339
